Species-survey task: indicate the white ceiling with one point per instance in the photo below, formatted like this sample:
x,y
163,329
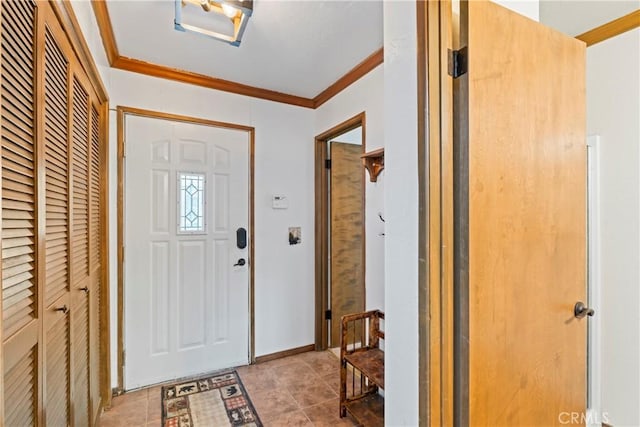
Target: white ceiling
x,y
296,47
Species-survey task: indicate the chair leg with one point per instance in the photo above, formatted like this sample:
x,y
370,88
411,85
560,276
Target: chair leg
x,y
343,388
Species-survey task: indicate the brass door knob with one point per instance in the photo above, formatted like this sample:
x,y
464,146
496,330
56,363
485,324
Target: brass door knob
x,y
64,309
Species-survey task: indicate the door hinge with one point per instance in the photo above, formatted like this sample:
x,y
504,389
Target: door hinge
x,y
124,148
457,62
124,359
327,164
327,315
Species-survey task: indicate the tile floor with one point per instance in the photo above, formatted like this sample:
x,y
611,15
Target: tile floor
x,y
299,390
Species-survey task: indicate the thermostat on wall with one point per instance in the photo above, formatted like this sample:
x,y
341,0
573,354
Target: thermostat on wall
x,y
280,202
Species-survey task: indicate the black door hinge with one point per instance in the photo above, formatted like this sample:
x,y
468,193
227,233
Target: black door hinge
x,y
327,164
457,62
327,315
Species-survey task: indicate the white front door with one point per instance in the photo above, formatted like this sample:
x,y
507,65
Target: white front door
x,y
186,195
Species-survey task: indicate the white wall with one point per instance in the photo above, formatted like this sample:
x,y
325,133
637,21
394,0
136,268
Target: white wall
x,y
284,150
401,209
365,95
613,113
284,286
574,17
528,8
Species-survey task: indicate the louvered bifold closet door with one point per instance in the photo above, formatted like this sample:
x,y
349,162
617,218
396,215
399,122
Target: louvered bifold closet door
x,y
20,322
51,205
80,285
57,274
95,260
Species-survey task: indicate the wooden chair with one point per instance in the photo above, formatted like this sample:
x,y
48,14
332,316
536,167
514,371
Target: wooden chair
x,y
362,368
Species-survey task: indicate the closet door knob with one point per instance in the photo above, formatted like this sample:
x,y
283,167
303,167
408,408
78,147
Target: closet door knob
x,y
85,289
64,309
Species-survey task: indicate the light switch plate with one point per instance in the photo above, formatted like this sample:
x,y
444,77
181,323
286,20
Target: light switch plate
x,y
280,202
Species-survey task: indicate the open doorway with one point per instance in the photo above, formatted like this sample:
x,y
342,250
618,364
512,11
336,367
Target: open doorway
x,y
340,228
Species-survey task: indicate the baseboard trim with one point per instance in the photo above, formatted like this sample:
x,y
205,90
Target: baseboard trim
x,y
116,391
285,353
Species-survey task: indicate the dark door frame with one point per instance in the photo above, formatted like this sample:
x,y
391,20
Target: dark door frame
x,y
322,224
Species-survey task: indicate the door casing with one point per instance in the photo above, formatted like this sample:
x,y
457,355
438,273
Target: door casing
x,y
322,224
122,112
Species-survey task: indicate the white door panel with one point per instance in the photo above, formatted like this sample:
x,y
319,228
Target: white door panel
x,y
186,305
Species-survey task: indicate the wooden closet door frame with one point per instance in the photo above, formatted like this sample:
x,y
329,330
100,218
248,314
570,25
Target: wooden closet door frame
x,y
322,223
436,219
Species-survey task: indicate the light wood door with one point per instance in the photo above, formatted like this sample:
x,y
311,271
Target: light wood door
x,y
186,293
52,164
524,201
96,263
347,235
57,334
21,316
80,278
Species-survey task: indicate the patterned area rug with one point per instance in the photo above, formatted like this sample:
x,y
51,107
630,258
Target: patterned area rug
x,y
216,400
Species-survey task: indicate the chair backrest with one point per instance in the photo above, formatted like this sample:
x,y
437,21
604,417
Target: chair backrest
x,y
361,331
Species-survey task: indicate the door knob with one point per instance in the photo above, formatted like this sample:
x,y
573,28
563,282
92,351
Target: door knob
x,y
240,262
580,310
85,289
63,309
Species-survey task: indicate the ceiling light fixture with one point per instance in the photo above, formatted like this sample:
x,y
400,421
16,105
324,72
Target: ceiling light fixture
x,y
238,11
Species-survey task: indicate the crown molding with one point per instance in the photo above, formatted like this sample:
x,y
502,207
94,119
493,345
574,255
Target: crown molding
x,y
142,67
106,30
596,35
155,70
611,29
360,70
